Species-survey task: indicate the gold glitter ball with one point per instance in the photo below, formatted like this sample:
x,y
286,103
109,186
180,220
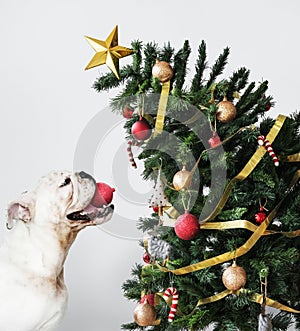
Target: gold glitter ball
x,y
182,179
234,277
226,111
144,314
162,70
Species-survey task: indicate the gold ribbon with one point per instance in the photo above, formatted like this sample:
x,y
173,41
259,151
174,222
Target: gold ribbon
x,y
162,106
228,255
272,303
290,158
244,173
212,298
258,298
244,224
258,232
248,168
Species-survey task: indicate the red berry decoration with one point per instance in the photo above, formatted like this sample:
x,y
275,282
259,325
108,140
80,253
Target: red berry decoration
x,y
141,129
127,112
103,195
260,216
214,140
187,226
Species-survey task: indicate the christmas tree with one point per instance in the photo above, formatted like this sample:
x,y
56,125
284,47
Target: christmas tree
x,y
223,241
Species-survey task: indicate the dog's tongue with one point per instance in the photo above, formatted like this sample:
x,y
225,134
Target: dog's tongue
x,y
103,195
90,208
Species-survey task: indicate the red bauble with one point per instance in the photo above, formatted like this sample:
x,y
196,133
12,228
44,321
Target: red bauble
x,y
103,195
155,209
187,226
268,105
127,112
146,258
214,140
260,217
141,129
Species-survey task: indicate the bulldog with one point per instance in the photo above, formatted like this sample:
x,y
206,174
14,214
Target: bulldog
x,y
43,224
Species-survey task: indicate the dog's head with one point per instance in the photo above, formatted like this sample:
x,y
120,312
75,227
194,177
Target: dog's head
x,y
60,197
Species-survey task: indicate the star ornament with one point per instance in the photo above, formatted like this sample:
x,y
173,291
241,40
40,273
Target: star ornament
x,y
108,52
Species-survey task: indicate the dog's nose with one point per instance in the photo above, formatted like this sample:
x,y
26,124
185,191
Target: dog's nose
x,y
83,174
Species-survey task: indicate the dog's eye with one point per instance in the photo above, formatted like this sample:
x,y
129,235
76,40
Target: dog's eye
x,y
66,182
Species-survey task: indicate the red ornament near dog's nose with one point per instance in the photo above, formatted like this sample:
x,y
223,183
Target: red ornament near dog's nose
x,y
103,195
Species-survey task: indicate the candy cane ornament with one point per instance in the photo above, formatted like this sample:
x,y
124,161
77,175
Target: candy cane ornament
x,y
129,151
171,291
263,141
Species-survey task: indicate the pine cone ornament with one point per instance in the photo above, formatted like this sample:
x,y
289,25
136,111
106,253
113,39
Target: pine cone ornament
x,y
159,248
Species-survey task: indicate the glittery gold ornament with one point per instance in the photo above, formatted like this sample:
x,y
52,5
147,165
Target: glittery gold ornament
x,y
162,70
144,314
182,179
234,277
226,111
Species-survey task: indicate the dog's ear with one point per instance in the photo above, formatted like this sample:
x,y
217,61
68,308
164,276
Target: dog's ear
x,y
21,209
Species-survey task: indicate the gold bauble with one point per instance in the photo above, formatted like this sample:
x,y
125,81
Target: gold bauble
x,y
182,179
162,70
234,277
226,111
144,314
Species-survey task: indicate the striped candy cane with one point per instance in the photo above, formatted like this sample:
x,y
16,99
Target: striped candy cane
x,y
263,141
172,291
129,151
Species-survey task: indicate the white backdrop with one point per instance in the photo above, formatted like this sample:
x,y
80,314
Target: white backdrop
x,y
47,102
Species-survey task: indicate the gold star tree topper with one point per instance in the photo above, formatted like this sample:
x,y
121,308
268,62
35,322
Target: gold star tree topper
x,y
108,52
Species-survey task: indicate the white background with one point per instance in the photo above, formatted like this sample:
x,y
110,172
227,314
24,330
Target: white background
x,y
46,102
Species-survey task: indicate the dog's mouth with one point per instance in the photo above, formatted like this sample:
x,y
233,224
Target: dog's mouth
x,y
92,215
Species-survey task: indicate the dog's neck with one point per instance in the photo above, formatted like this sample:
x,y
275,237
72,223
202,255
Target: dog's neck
x,y
43,251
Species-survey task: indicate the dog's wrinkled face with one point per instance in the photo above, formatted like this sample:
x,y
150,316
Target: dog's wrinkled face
x,y
61,196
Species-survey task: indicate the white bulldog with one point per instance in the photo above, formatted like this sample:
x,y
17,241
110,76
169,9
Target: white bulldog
x,y
43,223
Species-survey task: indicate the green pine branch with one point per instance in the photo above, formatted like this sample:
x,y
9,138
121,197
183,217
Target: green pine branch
x,y
279,253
